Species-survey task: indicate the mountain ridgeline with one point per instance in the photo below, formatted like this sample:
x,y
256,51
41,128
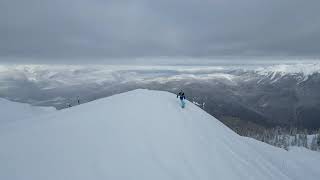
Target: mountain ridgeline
x,y
262,100
268,96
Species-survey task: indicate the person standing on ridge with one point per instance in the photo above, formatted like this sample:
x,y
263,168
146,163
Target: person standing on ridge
x,y
182,97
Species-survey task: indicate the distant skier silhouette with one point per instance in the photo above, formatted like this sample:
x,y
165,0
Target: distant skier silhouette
x,y
182,97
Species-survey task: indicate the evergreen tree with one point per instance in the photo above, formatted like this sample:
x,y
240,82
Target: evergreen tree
x,y
285,142
318,138
294,141
305,139
300,140
314,145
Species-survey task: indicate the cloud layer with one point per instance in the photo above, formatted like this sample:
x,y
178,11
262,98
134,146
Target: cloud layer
x,y
99,29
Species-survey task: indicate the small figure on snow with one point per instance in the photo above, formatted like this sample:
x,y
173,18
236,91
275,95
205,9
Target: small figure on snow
x,y
182,97
69,105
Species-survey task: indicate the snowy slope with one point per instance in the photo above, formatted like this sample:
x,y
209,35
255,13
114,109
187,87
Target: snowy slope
x,y
142,134
12,111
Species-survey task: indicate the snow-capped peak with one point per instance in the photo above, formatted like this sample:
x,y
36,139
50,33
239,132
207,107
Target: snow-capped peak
x,y
301,71
305,69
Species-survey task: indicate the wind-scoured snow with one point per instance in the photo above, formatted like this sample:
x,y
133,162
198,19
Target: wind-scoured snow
x,y
142,134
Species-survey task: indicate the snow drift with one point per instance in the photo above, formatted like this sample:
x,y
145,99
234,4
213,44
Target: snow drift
x,y
142,134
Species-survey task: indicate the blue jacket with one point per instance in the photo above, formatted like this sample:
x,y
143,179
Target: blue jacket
x,y
181,95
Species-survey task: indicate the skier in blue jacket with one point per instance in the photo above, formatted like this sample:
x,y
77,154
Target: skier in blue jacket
x,y
182,97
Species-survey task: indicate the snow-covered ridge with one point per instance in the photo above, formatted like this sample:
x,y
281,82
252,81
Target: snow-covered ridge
x,y
305,69
299,68
301,72
13,111
53,76
142,134
76,74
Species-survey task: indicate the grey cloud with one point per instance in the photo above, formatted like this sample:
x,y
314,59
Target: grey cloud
x,y
124,29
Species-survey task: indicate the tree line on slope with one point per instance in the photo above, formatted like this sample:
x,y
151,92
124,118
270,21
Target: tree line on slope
x,y
285,137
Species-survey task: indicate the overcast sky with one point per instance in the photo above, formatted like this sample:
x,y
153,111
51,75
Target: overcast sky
x,y
109,29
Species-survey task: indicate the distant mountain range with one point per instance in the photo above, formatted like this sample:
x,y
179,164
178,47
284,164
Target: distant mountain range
x,y
266,95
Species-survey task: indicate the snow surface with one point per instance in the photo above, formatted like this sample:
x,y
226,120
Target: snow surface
x,y
142,134
13,111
